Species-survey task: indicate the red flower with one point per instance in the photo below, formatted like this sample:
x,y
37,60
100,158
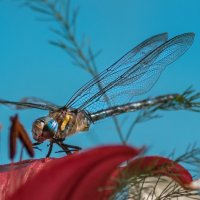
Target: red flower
x,y
93,174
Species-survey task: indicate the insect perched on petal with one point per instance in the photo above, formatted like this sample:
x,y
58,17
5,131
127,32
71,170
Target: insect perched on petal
x,y
134,74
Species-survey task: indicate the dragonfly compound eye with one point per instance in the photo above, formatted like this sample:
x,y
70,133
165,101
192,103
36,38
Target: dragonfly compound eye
x,y
44,128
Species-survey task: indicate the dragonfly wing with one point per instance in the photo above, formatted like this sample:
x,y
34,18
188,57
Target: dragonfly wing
x,y
30,102
35,100
136,78
143,76
112,73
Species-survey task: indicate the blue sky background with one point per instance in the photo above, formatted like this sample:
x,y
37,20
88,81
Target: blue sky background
x,y
29,66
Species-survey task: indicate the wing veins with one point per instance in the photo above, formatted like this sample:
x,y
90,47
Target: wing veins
x,y
152,41
147,62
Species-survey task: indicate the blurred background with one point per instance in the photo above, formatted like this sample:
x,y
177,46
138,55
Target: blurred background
x,y
30,66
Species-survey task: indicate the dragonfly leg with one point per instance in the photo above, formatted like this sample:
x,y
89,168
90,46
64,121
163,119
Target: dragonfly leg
x,y
64,148
67,148
36,144
50,149
76,148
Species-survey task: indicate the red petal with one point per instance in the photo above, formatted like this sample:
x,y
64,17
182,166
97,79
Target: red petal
x,y
13,136
76,177
157,165
152,165
17,131
13,176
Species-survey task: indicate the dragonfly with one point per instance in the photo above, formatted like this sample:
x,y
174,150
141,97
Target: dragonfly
x,y
109,93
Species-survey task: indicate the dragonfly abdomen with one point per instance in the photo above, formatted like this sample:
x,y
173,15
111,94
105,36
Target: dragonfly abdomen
x,y
131,107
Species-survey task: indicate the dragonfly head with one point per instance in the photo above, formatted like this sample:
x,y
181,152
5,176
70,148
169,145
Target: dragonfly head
x,y
44,128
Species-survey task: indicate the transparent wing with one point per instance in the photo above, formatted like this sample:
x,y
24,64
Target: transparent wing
x,y
103,79
30,102
132,75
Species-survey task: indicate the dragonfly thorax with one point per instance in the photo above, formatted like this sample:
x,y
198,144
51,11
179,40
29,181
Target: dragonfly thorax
x,y
60,124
